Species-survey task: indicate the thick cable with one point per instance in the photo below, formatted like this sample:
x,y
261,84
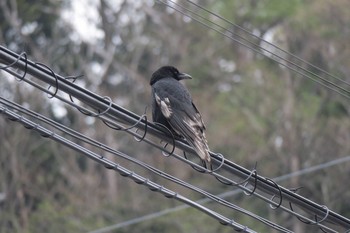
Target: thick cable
x,y
123,171
101,146
92,142
161,213
123,115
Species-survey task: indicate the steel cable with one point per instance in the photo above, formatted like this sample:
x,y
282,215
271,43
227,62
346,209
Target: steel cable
x,y
126,116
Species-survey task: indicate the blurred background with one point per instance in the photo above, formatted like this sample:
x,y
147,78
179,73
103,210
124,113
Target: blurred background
x,y
255,110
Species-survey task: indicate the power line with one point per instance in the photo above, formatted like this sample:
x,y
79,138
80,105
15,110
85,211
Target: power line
x,y
160,173
259,49
120,169
108,110
267,42
222,195
64,129
124,116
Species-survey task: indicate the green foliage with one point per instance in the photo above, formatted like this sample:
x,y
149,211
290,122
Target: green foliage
x,y
49,217
264,12
334,109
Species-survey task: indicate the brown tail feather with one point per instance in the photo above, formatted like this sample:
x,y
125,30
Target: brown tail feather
x,y
202,149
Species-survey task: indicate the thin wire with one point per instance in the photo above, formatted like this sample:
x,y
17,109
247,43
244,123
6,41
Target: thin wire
x,y
222,195
257,45
162,174
103,118
93,102
103,147
269,43
242,187
261,53
123,171
154,170
100,145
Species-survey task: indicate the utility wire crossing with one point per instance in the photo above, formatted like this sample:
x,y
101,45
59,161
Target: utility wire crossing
x,y
120,169
263,188
117,153
222,195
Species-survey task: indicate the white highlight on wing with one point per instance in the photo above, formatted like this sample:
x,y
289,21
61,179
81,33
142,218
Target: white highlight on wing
x,y
164,106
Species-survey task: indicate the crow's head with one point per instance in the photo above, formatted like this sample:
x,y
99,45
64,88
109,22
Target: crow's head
x,y
168,72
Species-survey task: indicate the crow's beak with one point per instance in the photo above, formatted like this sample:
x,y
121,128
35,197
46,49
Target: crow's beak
x,y
184,76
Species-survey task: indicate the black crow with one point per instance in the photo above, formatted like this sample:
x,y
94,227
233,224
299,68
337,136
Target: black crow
x,y
172,107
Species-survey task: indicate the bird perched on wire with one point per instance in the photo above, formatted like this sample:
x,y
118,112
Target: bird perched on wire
x,y
172,107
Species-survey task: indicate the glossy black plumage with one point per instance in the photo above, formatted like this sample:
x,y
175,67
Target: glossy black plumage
x,y
172,106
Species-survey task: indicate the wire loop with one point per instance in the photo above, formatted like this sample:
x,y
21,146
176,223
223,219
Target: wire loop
x,y
291,208
222,181
166,154
54,75
140,139
300,219
246,181
24,54
110,104
107,109
220,165
111,126
273,196
324,218
73,77
119,128
143,116
201,170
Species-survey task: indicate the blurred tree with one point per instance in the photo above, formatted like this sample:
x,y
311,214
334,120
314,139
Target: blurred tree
x,y
254,109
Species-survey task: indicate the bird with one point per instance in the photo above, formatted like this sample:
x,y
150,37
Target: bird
x,y
172,107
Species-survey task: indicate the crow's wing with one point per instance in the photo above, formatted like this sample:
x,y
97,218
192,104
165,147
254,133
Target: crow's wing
x,y
183,117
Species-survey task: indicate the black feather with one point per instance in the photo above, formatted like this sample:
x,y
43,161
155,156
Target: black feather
x,y
172,106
